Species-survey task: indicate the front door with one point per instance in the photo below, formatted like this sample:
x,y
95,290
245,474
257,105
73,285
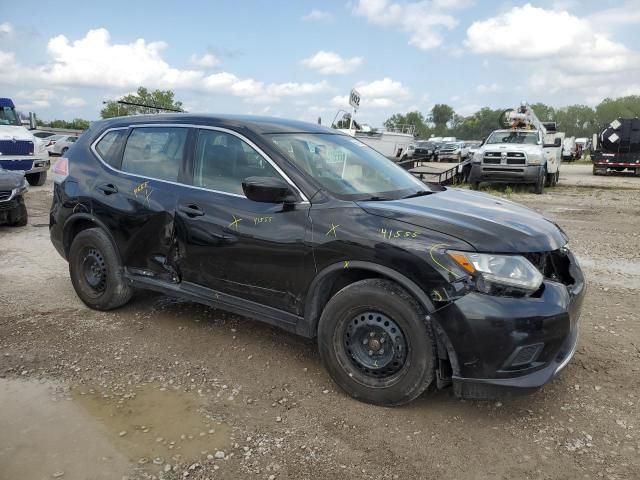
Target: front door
x,y
231,244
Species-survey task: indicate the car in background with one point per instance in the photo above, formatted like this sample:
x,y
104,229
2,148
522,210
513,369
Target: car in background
x,y
13,186
455,151
424,150
43,134
59,144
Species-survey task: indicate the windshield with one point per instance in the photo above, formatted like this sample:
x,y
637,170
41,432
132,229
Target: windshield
x,y
530,138
346,167
8,116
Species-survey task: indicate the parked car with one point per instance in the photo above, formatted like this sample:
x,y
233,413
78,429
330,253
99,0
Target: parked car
x,y
424,150
43,134
59,144
456,151
13,186
403,284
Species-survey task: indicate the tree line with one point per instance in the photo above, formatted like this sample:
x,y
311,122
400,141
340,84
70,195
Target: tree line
x,y
574,120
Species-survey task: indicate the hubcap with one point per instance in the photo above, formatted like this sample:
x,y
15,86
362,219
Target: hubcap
x,y
94,270
375,344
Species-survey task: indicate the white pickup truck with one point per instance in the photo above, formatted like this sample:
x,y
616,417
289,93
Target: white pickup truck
x,y
19,149
529,152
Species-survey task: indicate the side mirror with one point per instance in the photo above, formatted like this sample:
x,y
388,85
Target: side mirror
x,y
267,190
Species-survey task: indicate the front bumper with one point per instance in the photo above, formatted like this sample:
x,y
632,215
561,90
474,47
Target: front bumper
x,y
504,345
504,173
28,164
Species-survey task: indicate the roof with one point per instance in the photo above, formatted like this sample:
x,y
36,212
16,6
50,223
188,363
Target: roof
x,y
260,125
6,103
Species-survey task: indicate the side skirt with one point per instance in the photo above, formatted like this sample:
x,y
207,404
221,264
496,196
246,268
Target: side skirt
x,y
199,294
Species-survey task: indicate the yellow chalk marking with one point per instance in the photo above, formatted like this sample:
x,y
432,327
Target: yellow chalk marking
x,y
436,261
235,222
346,264
332,230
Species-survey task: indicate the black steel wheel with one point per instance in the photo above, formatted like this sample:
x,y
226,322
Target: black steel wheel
x,y
376,343
96,272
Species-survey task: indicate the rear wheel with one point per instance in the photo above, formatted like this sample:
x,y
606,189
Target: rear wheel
x,y
375,343
36,179
95,270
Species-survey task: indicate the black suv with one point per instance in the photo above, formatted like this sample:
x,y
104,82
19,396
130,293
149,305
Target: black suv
x,y
403,284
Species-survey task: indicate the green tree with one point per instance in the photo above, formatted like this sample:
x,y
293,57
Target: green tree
x,y
75,124
610,109
544,112
416,119
156,99
576,120
441,115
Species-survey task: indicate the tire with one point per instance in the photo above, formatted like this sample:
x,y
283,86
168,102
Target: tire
x,y
540,184
475,185
36,179
96,272
557,178
351,339
64,150
19,216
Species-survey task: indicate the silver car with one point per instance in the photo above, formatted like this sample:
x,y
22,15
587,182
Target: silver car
x,y
59,144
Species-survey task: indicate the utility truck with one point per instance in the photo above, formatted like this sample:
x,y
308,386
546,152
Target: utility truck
x,y
20,150
525,150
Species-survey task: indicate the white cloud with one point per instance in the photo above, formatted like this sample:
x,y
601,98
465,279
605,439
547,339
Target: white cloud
x,y
491,88
423,20
6,30
95,61
383,88
330,63
33,99
626,14
207,60
73,102
317,16
566,51
340,101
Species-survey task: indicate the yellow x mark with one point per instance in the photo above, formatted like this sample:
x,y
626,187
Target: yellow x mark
x,y
332,230
235,222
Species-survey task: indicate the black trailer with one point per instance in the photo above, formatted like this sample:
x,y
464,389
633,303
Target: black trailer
x,y
617,148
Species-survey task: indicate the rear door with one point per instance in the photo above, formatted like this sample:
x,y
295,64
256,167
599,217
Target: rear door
x,y
135,194
233,245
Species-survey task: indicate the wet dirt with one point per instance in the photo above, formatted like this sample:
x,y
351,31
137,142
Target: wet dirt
x,y
275,412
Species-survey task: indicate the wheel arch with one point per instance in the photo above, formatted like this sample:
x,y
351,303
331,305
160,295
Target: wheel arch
x,y
337,276
79,222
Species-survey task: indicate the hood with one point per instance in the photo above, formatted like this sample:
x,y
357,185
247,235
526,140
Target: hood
x,y
10,180
488,223
512,147
9,132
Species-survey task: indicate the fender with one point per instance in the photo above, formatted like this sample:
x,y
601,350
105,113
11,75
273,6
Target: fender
x,y
314,302
77,217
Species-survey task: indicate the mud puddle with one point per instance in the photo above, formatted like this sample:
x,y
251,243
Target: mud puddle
x,y
52,431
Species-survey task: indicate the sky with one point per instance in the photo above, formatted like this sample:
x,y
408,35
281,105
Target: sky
x,y
301,59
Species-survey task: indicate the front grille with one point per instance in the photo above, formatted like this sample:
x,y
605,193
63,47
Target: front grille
x,y
553,265
16,147
511,158
10,205
4,195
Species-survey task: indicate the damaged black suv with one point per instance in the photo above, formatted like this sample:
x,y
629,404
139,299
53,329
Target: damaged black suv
x,y
403,284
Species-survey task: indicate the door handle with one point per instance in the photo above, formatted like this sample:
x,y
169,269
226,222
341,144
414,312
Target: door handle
x,y
108,188
191,210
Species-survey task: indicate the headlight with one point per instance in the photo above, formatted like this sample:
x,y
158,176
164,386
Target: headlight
x,y
534,159
510,271
24,186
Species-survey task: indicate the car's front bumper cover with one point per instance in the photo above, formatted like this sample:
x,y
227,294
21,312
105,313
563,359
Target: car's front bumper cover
x,y
486,334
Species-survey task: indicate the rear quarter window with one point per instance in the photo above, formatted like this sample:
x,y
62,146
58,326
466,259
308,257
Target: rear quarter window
x,y
110,146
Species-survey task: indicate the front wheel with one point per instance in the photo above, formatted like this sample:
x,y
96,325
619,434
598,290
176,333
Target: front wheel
x,y
95,270
542,178
36,179
376,344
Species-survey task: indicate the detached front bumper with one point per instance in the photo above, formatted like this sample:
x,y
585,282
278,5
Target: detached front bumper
x,y
504,173
500,346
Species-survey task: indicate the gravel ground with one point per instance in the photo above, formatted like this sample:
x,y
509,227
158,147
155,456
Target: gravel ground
x,y
169,389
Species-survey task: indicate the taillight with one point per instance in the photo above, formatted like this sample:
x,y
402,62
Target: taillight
x,y
60,170
51,142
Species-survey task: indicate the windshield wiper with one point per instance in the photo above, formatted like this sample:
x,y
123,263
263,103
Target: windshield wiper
x,y
376,198
418,194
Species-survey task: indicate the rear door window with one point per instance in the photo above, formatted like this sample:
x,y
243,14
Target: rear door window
x,y
155,152
109,148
